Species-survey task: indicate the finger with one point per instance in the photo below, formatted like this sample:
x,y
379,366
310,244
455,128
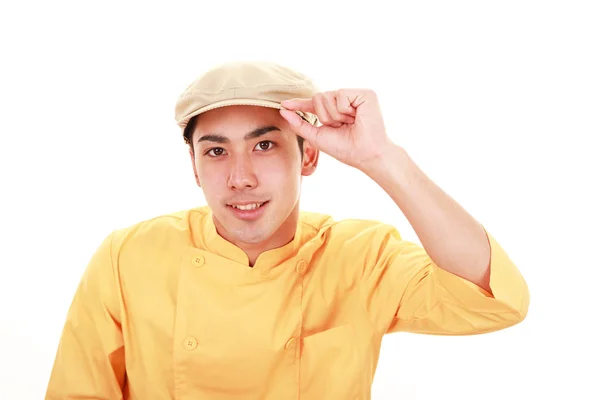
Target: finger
x,y
344,102
300,126
332,111
331,106
324,117
305,105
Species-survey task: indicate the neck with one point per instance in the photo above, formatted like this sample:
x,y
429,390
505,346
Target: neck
x,y
282,236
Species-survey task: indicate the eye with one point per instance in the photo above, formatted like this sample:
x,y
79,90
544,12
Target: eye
x,y
216,151
264,145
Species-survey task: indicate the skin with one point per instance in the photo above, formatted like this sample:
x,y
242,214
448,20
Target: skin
x,y
269,167
353,132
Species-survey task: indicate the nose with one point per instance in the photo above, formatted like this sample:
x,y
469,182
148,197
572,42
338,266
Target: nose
x,y
242,175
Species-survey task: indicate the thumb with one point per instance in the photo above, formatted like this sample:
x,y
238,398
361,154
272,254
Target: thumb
x,y
300,126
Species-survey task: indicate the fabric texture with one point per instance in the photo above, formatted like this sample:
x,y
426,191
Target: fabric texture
x,y
168,309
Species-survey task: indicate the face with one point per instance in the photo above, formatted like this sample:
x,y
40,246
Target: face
x,y
247,157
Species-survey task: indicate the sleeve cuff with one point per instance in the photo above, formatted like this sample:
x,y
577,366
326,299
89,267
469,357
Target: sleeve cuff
x,y
510,292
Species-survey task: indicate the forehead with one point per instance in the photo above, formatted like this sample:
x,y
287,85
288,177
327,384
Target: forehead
x,y
232,121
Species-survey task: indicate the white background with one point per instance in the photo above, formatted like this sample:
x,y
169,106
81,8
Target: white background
x,y
498,102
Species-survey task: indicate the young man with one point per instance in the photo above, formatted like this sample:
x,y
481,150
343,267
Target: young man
x,y
250,298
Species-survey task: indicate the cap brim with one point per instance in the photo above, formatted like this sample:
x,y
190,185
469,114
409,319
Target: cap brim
x,y
236,102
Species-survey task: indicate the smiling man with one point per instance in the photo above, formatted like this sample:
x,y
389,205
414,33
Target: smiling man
x,y
248,297
250,165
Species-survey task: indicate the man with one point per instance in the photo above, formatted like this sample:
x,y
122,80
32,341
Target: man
x,y
250,298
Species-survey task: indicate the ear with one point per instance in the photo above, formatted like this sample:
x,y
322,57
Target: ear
x,y
193,158
310,159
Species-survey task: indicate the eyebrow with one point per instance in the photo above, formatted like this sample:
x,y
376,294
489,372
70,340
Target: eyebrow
x,y
213,137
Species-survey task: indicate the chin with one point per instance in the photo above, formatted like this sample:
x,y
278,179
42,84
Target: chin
x,y
251,236
251,232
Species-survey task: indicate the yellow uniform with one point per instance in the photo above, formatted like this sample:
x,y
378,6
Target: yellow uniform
x,y
168,309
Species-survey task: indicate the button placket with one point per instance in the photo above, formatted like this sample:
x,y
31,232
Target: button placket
x,y
294,343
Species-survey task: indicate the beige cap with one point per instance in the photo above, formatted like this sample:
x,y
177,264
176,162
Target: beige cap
x,y
243,83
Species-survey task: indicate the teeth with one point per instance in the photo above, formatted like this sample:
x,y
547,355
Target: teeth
x,y
249,206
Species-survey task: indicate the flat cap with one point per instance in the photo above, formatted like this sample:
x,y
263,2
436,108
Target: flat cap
x,y
243,83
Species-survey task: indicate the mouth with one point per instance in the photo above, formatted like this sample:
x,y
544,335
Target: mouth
x,y
249,211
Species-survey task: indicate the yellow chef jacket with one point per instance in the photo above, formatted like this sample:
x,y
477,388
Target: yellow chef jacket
x,y
168,309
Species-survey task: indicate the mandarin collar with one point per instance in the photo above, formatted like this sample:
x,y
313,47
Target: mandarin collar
x,y
204,233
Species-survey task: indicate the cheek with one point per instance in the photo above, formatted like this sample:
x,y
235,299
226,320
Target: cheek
x,y
213,178
281,174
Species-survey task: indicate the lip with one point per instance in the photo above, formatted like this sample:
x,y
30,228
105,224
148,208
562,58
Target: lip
x,y
245,203
248,215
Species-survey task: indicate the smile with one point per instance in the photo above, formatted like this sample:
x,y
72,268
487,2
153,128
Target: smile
x,y
248,207
248,212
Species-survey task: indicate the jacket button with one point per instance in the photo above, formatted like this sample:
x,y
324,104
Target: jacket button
x,y
197,261
301,267
290,343
190,343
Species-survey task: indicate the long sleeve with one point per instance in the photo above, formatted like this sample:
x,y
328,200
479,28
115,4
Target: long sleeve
x,y
90,360
406,291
